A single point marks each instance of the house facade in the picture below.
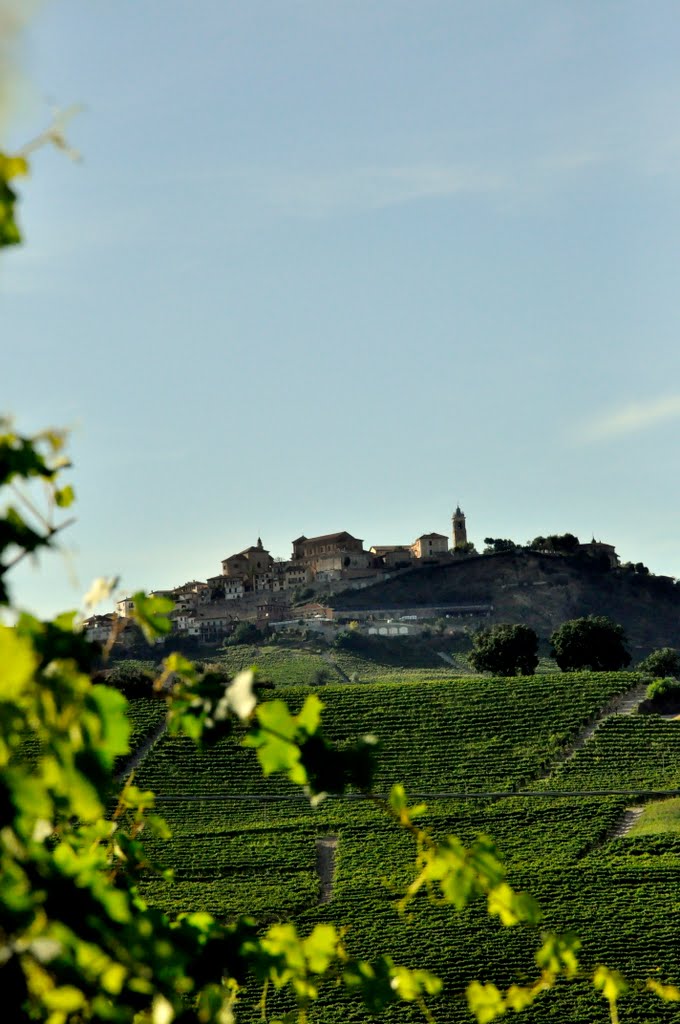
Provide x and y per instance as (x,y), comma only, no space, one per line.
(431,546)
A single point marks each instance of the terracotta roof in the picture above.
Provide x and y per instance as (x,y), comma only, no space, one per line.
(343,535)
(431,536)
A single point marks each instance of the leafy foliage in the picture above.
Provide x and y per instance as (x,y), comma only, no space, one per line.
(662,689)
(565,543)
(11,167)
(665,661)
(245,633)
(496,544)
(662,697)
(505,650)
(593,642)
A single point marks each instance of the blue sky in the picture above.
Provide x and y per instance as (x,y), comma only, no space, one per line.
(334,265)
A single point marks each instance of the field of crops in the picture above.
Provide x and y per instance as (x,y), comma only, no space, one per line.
(144,714)
(280,665)
(439,736)
(233,855)
(635,751)
(361,669)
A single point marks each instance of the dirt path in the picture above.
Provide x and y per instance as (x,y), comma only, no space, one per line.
(625,704)
(446,657)
(325,865)
(334,665)
(138,755)
(625,824)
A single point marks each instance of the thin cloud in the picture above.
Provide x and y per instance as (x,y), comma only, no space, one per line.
(630,419)
(374,188)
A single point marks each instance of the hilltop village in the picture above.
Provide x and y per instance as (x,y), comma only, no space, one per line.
(255,587)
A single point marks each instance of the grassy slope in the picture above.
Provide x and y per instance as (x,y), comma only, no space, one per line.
(661,818)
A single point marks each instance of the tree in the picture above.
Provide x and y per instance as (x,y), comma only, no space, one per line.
(567,543)
(495,544)
(506,650)
(663,662)
(593,642)
(561,543)
(245,633)
(467,548)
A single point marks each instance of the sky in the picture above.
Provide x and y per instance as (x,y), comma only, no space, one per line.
(339,265)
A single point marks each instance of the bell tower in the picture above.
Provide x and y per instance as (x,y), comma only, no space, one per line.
(459,530)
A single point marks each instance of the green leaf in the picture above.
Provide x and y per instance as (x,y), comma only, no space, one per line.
(64,496)
(18,663)
(410,985)
(151,615)
(512,907)
(277,755)
(518,998)
(558,954)
(397,798)
(275,716)
(113,979)
(485,1001)
(610,983)
(309,717)
(65,999)
(115,725)
(669,993)
(158,826)
(180,665)
(9,230)
(320,948)
(502,904)
(13,166)
(276,742)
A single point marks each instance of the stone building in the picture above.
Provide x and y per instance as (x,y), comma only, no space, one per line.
(249,564)
(331,555)
(226,588)
(598,549)
(431,546)
(98,627)
(125,607)
(392,556)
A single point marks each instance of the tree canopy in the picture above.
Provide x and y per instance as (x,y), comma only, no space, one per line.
(505,650)
(665,661)
(495,544)
(563,543)
(593,642)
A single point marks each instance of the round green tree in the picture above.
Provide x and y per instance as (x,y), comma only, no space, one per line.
(593,642)
(663,662)
(505,650)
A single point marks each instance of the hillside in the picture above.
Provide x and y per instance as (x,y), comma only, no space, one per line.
(539,590)
(244,844)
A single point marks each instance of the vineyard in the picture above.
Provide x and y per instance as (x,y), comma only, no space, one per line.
(241,844)
(281,666)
